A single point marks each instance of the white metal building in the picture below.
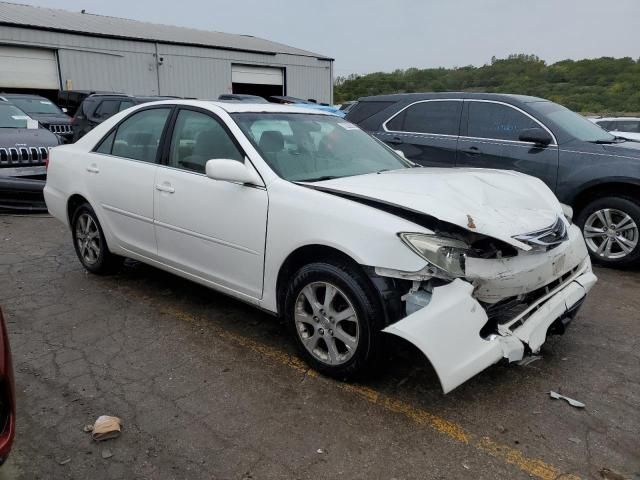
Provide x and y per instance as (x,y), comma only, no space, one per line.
(50,50)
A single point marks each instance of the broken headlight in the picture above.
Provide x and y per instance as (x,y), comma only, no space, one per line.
(448,254)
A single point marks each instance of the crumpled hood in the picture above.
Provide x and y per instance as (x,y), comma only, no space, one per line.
(497,203)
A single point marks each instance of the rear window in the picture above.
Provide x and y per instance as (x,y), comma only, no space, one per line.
(438,117)
(363,110)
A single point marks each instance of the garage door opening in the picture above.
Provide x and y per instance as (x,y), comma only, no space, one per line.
(29,70)
(262,81)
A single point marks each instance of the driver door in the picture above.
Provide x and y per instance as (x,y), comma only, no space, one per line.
(214,230)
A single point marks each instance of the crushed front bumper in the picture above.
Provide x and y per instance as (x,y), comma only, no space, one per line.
(447,330)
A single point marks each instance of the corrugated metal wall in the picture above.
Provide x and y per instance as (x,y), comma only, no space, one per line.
(95,63)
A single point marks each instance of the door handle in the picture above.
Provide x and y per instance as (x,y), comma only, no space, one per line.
(395,141)
(472,151)
(165,187)
(93,168)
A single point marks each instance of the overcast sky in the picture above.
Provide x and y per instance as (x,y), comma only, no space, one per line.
(382,35)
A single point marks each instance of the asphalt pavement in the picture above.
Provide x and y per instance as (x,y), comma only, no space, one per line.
(210,388)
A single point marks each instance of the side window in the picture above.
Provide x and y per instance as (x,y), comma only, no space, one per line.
(106,144)
(632,126)
(106,108)
(497,121)
(198,138)
(139,135)
(441,117)
(125,104)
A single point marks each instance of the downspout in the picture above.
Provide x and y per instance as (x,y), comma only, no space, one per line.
(157,67)
(331,88)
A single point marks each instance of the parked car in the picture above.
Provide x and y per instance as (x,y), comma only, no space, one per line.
(69,100)
(96,108)
(238,97)
(305,215)
(7,394)
(346,106)
(47,113)
(626,127)
(24,149)
(587,168)
(298,102)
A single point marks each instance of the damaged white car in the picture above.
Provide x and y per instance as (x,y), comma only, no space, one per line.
(304,215)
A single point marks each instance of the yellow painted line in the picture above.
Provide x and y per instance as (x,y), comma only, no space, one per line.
(534,467)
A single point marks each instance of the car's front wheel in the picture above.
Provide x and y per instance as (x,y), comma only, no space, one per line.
(90,244)
(611,229)
(335,318)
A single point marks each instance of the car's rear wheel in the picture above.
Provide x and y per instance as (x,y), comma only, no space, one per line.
(90,244)
(335,318)
(611,229)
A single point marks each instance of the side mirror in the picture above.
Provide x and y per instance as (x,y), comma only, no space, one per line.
(536,135)
(232,171)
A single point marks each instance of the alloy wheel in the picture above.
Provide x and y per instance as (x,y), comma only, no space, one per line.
(326,323)
(611,233)
(88,239)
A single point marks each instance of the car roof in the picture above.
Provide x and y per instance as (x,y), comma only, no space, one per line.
(399,97)
(242,107)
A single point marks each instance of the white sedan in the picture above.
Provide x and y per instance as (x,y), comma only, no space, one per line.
(308,217)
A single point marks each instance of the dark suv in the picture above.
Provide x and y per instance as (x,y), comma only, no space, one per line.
(95,109)
(596,173)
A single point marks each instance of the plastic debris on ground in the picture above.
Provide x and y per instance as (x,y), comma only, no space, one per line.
(570,401)
(530,359)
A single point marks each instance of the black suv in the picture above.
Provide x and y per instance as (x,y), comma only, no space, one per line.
(95,109)
(47,113)
(596,173)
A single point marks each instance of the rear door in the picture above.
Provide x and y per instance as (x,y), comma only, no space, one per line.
(120,176)
(425,131)
(490,139)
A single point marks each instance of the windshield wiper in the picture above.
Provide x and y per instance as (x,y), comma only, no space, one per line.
(318,179)
(603,142)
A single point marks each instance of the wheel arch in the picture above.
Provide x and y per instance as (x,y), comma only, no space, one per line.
(73,203)
(611,187)
(303,256)
(387,290)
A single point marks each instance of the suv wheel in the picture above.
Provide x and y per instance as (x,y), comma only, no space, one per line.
(90,244)
(335,318)
(611,229)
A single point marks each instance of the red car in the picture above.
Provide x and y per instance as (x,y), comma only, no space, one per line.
(7,394)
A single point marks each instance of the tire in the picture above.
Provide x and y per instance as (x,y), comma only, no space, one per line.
(351,289)
(90,243)
(622,233)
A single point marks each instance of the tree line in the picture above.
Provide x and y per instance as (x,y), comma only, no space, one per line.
(601,85)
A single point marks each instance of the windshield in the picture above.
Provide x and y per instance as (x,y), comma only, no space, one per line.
(573,123)
(308,147)
(35,105)
(12,117)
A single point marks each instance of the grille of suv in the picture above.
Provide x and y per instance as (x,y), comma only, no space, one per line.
(60,129)
(23,156)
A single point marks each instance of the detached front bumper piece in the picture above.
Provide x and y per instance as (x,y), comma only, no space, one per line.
(448,329)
